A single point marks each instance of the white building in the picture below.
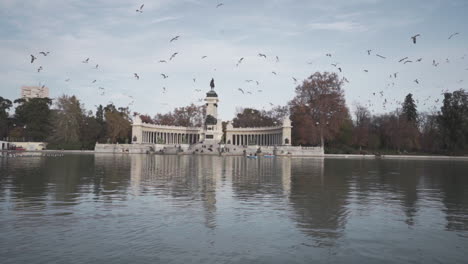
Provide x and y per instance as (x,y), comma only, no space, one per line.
(212,131)
(28,92)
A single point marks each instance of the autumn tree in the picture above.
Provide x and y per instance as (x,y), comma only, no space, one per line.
(249,117)
(361,126)
(189,116)
(318,110)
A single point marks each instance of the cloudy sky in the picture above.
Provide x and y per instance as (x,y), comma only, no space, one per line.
(300,33)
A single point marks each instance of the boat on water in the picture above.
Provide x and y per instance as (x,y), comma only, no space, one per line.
(269,156)
(252,157)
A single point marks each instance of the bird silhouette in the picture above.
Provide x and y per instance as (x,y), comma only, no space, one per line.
(403,59)
(408,61)
(328,55)
(67,80)
(248,81)
(240,89)
(366,70)
(239,62)
(339,69)
(273,72)
(249,92)
(257,82)
(197,90)
(93,81)
(136,76)
(174,38)
(97,66)
(173,55)
(164,75)
(453,35)
(140,9)
(45,53)
(162,61)
(164,90)
(33,58)
(294,79)
(277,59)
(416,81)
(395,74)
(86,61)
(218,5)
(414,38)
(380,56)
(39,69)
(262,55)
(368,52)
(419,60)
(194,79)
(203,57)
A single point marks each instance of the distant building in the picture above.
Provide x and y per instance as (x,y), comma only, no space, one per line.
(28,92)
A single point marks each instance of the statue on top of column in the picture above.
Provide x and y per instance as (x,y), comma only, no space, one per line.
(212,85)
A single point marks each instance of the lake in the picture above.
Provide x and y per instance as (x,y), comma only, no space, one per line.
(100,208)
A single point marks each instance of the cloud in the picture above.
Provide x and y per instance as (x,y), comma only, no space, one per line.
(345,26)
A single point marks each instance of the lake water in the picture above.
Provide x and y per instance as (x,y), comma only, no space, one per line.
(200,209)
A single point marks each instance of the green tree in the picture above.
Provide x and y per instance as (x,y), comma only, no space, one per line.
(249,117)
(453,120)
(67,119)
(409,109)
(118,125)
(34,115)
(5,105)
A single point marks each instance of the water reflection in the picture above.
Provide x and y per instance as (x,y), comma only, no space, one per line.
(233,204)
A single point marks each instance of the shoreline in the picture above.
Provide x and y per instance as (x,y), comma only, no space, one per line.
(332,156)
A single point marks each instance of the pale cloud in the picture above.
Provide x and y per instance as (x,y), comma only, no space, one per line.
(345,26)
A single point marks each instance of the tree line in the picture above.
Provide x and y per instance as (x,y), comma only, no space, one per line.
(318,112)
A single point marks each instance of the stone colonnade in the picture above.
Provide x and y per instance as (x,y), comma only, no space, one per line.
(262,136)
(144,133)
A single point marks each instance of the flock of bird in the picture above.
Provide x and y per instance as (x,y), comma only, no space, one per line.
(240,61)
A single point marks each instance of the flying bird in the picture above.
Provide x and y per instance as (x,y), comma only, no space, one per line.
(173,55)
(403,59)
(197,90)
(39,69)
(86,61)
(218,5)
(33,58)
(380,56)
(97,66)
(257,82)
(239,62)
(164,75)
(366,70)
(140,9)
(368,52)
(249,92)
(419,60)
(453,35)
(240,90)
(45,53)
(262,55)
(248,81)
(395,74)
(136,76)
(93,81)
(259,91)
(328,55)
(194,79)
(416,81)
(339,69)
(408,61)
(273,72)
(67,80)
(164,90)
(414,38)
(203,57)
(277,59)
(294,79)
(334,64)
(346,80)
(162,61)
(174,38)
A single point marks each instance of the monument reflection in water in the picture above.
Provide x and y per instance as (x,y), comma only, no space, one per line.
(140,208)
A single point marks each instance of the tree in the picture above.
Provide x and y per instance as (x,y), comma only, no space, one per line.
(249,117)
(189,116)
(67,120)
(5,105)
(319,109)
(409,109)
(118,125)
(453,120)
(361,126)
(34,116)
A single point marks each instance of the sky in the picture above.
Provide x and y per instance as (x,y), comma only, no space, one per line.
(123,42)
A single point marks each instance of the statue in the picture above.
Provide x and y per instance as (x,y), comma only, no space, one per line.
(212,84)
